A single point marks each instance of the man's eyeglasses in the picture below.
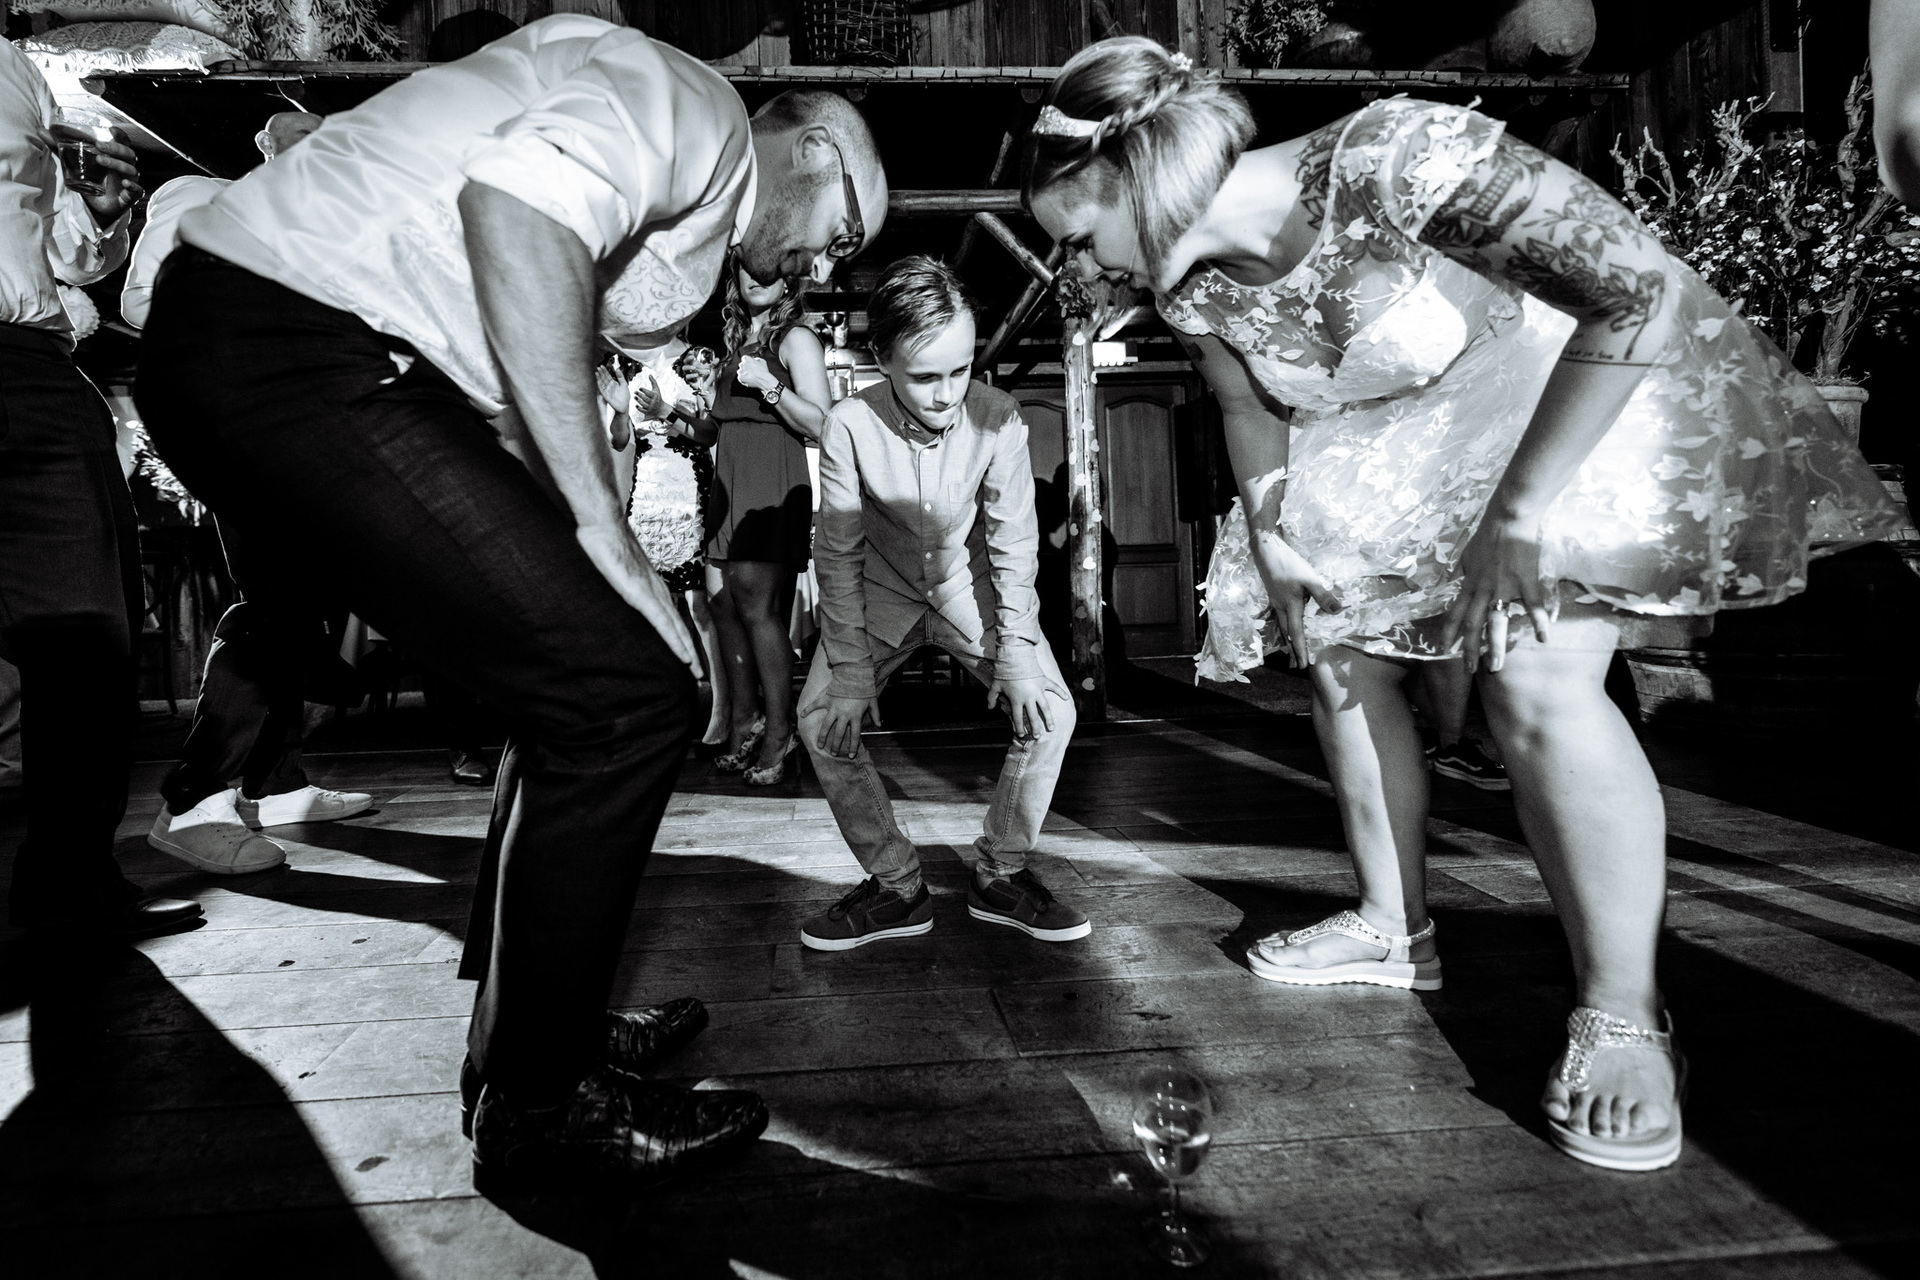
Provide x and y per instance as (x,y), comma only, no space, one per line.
(845,246)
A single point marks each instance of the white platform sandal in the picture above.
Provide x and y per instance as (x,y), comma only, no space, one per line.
(1589,1033)
(1268,957)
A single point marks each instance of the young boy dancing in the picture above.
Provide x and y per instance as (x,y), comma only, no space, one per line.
(926,535)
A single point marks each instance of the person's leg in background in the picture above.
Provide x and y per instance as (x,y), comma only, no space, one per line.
(456,718)
(1443,691)
(762,594)
(746,723)
(248,724)
(700,609)
(287,417)
(71,600)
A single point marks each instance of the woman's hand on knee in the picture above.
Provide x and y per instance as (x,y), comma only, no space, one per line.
(1291,580)
(1500,567)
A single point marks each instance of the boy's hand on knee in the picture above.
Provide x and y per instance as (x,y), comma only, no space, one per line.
(840,731)
(1026,704)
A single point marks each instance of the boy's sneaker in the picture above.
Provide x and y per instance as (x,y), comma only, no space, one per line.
(1023,903)
(869,914)
(1465,762)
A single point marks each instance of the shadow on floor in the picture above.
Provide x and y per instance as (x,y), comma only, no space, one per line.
(134,1156)
(817,1221)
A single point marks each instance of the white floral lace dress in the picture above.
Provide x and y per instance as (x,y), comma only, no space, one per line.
(1412,378)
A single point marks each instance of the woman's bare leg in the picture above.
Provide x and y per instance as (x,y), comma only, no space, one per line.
(736,648)
(702,614)
(762,597)
(1592,813)
(1379,773)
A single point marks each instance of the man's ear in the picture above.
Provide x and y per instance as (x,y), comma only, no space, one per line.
(812,148)
(264,141)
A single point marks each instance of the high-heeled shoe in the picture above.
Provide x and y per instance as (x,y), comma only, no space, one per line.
(740,760)
(787,769)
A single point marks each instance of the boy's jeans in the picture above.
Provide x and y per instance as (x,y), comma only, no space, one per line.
(859,798)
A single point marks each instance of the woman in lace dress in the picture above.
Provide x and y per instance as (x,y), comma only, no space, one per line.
(1470,404)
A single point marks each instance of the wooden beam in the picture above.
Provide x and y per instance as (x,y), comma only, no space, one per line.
(922,203)
(972,231)
(1088,673)
(1012,243)
(1021,312)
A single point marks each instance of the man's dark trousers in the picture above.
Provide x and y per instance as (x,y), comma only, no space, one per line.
(70,604)
(388,492)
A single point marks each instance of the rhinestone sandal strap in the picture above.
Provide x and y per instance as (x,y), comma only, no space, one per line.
(1589,1031)
(1352,925)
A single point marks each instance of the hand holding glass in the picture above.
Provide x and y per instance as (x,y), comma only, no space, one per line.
(1173,1119)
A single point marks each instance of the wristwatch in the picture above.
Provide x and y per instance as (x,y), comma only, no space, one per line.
(771,396)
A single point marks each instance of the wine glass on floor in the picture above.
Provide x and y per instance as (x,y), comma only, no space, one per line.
(1173,1119)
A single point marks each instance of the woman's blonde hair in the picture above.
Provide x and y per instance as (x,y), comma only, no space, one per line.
(1168,138)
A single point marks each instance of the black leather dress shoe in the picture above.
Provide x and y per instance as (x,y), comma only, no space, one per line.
(469,768)
(614,1130)
(635,1042)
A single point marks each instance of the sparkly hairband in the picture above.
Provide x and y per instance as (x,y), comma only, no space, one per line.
(1055,123)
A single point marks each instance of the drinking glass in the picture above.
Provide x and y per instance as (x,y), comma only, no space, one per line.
(77,136)
(1173,1119)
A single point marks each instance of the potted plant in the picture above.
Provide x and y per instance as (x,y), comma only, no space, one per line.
(1808,243)
(1810,246)
(1263,33)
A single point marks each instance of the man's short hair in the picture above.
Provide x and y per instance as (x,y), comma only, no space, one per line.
(798,108)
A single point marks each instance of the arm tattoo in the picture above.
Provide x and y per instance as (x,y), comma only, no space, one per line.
(1489,200)
(1559,237)
(1312,171)
(1590,218)
(1574,275)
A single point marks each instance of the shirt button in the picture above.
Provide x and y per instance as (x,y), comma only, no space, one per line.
(927,556)
(929,506)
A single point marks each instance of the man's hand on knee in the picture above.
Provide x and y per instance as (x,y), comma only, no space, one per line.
(1027,704)
(840,731)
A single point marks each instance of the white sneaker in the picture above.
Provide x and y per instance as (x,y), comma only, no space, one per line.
(308,804)
(211,836)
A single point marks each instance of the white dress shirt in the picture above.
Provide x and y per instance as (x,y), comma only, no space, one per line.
(160,237)
(48,236)
(642,150)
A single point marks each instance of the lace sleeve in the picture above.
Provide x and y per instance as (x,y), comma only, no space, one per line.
(1177,309)
(1402,159)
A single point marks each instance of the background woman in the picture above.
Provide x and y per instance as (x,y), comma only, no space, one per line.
(670,432)
(771,403)
(1518,425)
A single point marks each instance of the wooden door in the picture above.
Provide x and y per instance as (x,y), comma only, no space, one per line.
(1153,570)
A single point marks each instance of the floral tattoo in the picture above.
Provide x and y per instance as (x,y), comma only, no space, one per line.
(1576,248)
(1312,171)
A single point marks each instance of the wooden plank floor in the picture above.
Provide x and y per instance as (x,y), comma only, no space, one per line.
(273,1094)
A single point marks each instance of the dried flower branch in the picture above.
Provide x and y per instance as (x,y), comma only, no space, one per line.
(1810,245)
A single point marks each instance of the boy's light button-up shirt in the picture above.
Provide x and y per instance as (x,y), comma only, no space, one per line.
(912,523)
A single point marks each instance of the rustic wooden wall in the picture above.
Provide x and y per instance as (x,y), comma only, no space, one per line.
(949,33)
